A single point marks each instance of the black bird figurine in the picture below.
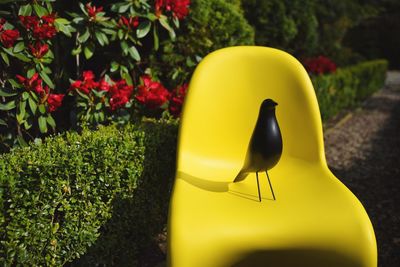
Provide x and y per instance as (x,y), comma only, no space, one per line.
(265,148)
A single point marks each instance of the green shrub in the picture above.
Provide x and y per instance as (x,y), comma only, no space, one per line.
(348,86)
(211,25)
(290,25)
(57,198)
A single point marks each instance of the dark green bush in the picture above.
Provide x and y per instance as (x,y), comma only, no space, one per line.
(211,24)
(290,25)
(348,86)
(57,198)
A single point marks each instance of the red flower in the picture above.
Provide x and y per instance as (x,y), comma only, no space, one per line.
(120,93)
(29,22)
(8,37)
(104,86)
(176,100)
(131,22)
(45,31)
(319,65)
(49,19)
(88,75)
(92,10)
(151,94)
(87,85)
(54,101)
(39,49)
(33,84)
(179,8)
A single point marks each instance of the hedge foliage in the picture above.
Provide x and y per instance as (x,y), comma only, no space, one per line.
(348,86)
(57,197)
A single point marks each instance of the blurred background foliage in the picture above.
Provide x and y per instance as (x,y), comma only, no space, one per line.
(347,31)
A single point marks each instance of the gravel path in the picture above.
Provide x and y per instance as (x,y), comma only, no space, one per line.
(363,151)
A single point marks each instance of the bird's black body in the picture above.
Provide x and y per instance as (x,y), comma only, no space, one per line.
(265,146)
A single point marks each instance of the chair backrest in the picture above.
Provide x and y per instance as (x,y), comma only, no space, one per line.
(222,106)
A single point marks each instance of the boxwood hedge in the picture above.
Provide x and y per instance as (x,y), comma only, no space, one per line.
(348,86)
(57,197)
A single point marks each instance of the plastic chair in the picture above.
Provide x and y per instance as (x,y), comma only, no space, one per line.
(315,220)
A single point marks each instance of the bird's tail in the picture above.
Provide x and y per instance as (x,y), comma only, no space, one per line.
(241,176)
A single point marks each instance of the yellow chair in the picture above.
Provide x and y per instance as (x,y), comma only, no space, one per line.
(315,220)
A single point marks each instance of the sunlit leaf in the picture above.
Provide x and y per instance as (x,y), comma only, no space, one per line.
(143,29)
(42,124)
(8,106)
(46,79)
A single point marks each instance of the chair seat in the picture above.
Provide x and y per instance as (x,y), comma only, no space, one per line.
(224,224)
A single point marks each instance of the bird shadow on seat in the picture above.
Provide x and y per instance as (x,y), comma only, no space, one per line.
(296,257)
(252,197)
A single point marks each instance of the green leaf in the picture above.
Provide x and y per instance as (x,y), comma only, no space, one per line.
(27,125)
(88,50)
(99,106)
(62,21)
(21,112)
(51,121)
(121,7)
(34,96)
(133,52)
(42,124)
(114,66)
(101,38)
(42,109)
(30,72)
(176,21)
(2,122)
(46,79)
(40,11)
(82,95)
(143,29)
(99,94)
(84,37)
(25,96)
(156,40)
(164,22)
(22,57)
(32,105)
(20,46)
(64,28)
(6,92)
(151,16)
(21,141)
(8,106)
(14,83)
(25,10)
(127,77)
(82,7)
(77,50)
(101,116)
(125,48)
(5,58)
(120,34)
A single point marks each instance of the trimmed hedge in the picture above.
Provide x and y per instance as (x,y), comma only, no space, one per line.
(56,198)
(348,86)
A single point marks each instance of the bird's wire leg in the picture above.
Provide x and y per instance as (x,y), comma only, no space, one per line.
(258,187)
(270,185)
